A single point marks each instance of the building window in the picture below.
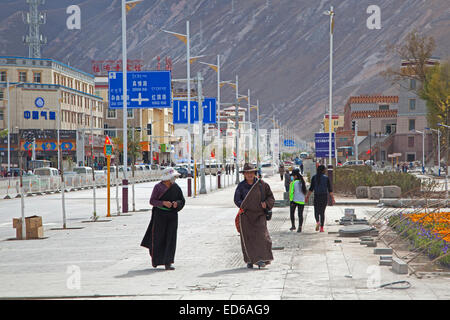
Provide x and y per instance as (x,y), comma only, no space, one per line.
(412,124)
(111,114)
(3,75)
(37,77)
(2,117)
(2,95)
(412,104)
(130,113)
(412,84)
(383,107)
(410,142)
(22,76)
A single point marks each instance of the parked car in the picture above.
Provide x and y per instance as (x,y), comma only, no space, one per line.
(369,163)
(353,163)
(14,172)
(182,171)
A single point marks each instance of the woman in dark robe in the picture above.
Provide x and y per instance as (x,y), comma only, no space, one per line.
(161,236)
(252,196)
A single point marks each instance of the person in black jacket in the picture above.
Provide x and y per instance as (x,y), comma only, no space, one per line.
(320,185)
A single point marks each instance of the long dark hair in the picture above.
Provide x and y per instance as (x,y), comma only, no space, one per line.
(320,171)
(300,177)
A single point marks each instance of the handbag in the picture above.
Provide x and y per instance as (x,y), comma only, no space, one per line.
(266,211)
(236,220)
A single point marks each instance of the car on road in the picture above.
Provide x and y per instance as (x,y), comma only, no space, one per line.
(369,163)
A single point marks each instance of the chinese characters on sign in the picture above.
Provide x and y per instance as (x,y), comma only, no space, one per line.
(146,89)
(102,67)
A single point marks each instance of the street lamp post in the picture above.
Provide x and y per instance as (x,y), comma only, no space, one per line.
(439,148)
(446,157)
(8,87)
(423,148)
(125,111)
(331,14)
(237,129)
(370,137)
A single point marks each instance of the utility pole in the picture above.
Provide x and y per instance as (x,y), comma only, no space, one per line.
(200,116)
(257,135)
(237,129)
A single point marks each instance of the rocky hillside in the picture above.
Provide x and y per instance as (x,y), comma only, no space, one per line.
(279,48)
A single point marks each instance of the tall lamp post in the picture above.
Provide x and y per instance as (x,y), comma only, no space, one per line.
(8,87)
(257,133)
(423,148)
(439,148)
(186,39)
(331,14)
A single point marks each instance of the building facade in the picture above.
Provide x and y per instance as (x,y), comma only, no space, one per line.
(46,95)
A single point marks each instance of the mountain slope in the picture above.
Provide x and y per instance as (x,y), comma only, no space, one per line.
(279,48)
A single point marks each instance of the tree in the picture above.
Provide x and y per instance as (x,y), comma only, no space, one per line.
(436,91)
(417,50)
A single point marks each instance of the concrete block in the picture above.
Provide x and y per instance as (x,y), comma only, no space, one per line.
(385,262)
(392,192)
(366,238)
(399,266)
(362,192)
(376,193)
(385,257)
(371,244)
(383,251)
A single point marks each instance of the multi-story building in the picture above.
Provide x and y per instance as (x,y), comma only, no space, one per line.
(337,121)
(43,93)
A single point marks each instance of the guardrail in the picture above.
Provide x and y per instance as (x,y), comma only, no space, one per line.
(33,184)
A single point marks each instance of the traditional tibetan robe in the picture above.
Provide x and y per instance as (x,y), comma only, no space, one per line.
(161,235)
(255,239)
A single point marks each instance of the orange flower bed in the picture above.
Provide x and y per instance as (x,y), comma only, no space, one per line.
(438,223)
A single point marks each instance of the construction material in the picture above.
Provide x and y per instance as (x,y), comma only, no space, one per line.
(383,251)
(399,266)
(355,230)
(33,227)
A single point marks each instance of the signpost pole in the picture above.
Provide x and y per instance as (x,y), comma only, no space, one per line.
(108,186)
(125,111)
(200,118)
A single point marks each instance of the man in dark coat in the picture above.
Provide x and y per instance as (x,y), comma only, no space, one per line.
(161,236)
(253,196)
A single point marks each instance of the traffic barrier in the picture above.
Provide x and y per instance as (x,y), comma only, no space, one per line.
(37,185)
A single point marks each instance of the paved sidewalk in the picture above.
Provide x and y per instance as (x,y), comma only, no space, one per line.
(104,260)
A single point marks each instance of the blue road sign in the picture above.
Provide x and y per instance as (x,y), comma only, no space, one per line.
(180,111)
(289,143)
(322,141)
(146,89)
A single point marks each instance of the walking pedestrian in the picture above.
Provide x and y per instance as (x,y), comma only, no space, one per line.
(297,193)
(161,237)
(281,171)
(287,180)
(253,197)
(320,185)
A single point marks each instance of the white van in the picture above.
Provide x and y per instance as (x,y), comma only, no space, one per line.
(49,178)
(46,171)
(83,170)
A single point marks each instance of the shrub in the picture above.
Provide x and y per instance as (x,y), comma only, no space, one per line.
(348,178)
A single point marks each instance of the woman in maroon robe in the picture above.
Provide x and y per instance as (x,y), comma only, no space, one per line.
(253,196)
(161,236)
